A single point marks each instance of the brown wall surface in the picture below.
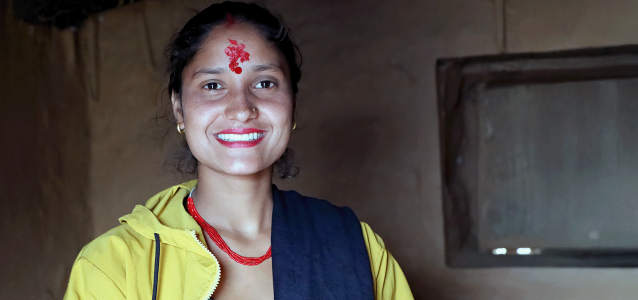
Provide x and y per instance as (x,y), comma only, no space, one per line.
(367,132)
(45,154)
(367,123)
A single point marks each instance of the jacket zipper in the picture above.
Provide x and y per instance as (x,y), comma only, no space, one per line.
(219,269)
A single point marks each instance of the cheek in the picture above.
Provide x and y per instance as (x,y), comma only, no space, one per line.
(276,110)
(286,108)
(199,116)
(283,115)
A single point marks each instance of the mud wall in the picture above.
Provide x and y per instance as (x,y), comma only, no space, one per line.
(367,125)
(366,138)
(44,168)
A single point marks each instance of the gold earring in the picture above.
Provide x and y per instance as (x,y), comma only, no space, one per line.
(294,126)
(181,131)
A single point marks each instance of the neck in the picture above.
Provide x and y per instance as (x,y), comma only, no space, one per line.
(241,204)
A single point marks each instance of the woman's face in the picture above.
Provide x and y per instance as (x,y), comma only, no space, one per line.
(237,102)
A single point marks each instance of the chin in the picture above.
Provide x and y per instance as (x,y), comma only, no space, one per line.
(242,168)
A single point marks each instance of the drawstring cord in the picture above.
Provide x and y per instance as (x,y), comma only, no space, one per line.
(156,271)
(157,258)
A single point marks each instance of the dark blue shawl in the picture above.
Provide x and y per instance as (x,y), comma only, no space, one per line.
(318,250)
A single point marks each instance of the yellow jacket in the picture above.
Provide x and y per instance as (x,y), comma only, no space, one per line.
(119,263)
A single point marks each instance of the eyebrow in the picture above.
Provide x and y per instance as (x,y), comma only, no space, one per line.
(266,67)
(255,68)
(214,71)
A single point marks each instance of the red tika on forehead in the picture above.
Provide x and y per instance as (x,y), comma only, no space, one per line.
(236,53)
(230,19)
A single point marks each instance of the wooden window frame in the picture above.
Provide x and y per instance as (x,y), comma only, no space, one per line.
(457,79)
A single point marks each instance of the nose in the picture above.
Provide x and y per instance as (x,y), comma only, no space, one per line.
(240,107)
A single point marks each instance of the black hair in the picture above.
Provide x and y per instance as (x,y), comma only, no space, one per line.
(187,43)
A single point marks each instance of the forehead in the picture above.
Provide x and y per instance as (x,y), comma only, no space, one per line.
(212,50)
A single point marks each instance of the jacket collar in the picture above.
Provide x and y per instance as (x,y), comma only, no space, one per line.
(165,215)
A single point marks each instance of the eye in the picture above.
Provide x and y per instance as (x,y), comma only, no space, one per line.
(264,84)
(213,86)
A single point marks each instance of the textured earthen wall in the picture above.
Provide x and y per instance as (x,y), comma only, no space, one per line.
(44,145)
(367,126)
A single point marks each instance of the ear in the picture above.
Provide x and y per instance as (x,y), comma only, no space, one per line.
(176,101)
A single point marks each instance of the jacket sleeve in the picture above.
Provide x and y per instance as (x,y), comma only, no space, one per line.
(388,279)
(89,282)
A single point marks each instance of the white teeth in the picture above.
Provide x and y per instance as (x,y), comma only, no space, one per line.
(240,137)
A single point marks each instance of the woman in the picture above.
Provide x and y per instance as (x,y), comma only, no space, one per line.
(231,234)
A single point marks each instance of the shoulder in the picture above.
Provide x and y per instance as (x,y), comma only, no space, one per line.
(319,207)
(118,238)
(106,260)
(309,236)
(373,240)
(375,246)
(308,214)
(119,244)
(388,278)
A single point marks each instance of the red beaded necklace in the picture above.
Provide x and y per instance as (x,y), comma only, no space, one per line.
(212,233)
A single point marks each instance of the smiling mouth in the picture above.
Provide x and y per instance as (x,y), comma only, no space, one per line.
(240,137)
(248,137)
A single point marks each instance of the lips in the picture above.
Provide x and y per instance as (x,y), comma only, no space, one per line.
(240,137)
